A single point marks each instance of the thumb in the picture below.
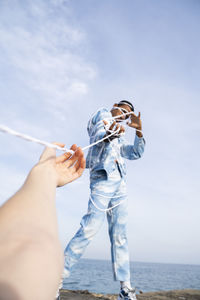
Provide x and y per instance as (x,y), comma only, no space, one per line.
(49,152)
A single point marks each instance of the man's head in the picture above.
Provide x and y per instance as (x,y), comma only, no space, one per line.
(119,109)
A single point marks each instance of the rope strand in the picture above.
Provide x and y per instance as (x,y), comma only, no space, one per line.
(26,137)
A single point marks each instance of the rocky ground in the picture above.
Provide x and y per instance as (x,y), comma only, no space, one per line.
(164,295)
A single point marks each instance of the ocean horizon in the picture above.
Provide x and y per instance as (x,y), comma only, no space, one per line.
(96,276)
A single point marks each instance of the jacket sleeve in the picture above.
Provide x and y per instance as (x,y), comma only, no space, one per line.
(134,151)
(96,128)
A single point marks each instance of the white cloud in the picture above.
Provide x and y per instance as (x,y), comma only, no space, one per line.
(43,55)
(44,52)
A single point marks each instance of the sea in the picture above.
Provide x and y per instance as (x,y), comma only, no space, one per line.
(96,276)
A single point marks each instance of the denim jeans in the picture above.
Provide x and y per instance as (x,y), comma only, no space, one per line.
(105,193)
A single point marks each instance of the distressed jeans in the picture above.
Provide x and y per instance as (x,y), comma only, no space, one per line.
(105,193)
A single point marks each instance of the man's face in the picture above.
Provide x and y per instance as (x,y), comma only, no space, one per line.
(117,112)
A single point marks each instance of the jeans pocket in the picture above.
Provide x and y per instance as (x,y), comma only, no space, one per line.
(98,175)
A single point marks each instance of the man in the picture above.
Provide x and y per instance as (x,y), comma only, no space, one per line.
(108,189)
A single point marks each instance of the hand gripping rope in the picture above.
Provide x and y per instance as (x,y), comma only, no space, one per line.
(26,137)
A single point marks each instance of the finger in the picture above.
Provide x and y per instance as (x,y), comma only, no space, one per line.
(79,167)
(80,163)
(83,163)
(74,157)
(122,129)
(133,115)
(118,128)
(78,173)
(112,125)
(73,147)
(63,157)
(79,152)
(50,152)
(139,115)
(105,122)
(66,155)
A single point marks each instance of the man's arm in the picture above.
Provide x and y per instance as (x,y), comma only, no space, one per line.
(136,150)
(31,258)
(96,127)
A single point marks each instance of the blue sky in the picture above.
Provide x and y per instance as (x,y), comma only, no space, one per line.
(61,61)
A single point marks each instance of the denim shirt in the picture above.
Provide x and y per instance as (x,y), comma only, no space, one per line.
(103,156)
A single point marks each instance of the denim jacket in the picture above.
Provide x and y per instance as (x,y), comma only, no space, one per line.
(103,156)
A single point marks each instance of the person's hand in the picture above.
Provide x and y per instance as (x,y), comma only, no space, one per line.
(116,125)
(135,121)
(67,167)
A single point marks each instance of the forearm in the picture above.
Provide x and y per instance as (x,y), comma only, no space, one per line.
(31,269)
(29,239)
(33,206)
(134,151)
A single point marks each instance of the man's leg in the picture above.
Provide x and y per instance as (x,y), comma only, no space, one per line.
(90,224)
(117,222)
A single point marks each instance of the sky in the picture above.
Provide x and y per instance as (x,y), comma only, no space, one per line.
(61,60)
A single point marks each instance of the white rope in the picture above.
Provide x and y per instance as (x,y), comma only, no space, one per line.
(105,209)
(26,137)
(124,114)
(116,196)
(101,140)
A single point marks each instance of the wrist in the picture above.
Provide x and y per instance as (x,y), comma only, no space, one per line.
(139,127)
(139,132)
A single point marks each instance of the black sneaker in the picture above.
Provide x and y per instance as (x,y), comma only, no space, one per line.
(127,294)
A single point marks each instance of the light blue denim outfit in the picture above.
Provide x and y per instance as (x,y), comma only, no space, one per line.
(108,188)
